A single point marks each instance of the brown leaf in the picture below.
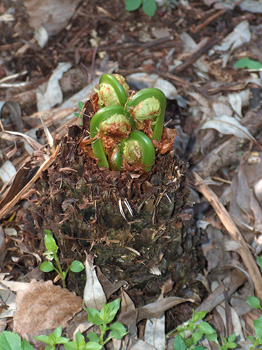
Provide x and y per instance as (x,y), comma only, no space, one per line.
(108,287)
(152,310)
(128,314)
(42,305)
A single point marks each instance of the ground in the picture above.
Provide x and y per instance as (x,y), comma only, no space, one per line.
(191,51)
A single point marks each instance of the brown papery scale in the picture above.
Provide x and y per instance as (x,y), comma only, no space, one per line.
(139,227)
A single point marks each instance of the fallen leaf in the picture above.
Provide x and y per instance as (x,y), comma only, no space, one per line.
(228,126)
(53,94)
(42,305)
(53,15)
(94,295)
(155,332)
(140,344)
(153,310)
(239,36)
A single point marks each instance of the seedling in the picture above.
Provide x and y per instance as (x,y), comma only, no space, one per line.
(149,6)
(102,319)
(246,62)
(190,333)
(51,255)
(80,106)
(53,339)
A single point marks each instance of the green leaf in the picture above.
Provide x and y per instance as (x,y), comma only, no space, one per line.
(71,346)
(93,346)
(205,328)
(50,242)
(132,5)
(50,347)
(57,332)
(258,328)
(109,311)
(196,336)
(231,345)
(118,330)
(80,104)
(93,337)
(212,337)
(179,343)
(232,337)
(52,340)
(62,340)
(246,62)
(76,266)
(259,260)
(254,302)
(42,338)
(200,347)
(149,7)
(47,266)
(94,317)
(79,337)
(10,341)
(198,316)
(26,345)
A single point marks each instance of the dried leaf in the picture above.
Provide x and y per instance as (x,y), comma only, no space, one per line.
(7,171)
(94,295)
(144,80)
(140,344)
(108,287)
(53,94)
(54,16)
(154,309)
(240,200)
(239,36)
(155,332)
(237,328)
(228,126)
(48,135)
(251,6)
(8,298)
(128,313)
(14,112)
(12,135)
(258,190)
(42,305)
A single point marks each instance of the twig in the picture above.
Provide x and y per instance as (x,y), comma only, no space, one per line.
(196,55)
(207,21)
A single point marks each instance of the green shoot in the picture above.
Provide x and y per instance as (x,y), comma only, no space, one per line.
(51,255)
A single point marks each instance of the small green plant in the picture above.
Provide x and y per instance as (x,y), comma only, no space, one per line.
(149,6)
(80,115)
(12,341)
(80,106)
(190,333)
(102,319)
(51,254)
(246,62)
(53,339)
